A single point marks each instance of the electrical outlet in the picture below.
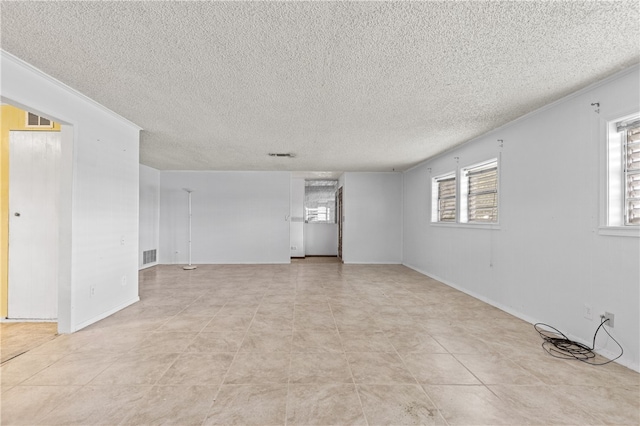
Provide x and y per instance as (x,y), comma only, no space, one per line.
(294,248)
(92,291)
(123,281)
(608,316)
(588,311)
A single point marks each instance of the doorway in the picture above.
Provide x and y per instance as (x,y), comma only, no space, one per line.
(15,117)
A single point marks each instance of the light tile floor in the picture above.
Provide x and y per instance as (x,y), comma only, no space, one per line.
(17,338)
(308,344)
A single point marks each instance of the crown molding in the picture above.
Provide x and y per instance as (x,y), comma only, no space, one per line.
(8,57)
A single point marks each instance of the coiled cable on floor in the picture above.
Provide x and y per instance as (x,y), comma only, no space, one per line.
(560,346)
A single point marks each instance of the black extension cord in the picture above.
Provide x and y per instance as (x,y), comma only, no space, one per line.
(560,346)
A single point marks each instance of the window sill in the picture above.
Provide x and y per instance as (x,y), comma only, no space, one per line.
(495,226)
(620,231)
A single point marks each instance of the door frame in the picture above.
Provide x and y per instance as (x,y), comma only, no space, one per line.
(340,216)
(65,210)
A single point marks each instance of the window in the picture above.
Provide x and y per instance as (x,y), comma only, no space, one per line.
(320,201)
(37,121)
(479,186)
(623,171)
(444,190)
(470,197)
(631,133)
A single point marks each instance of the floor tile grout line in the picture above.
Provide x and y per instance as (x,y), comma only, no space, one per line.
(286,403)
(344,353)
(36,372)
(474,375)
(68,397)
(420,386)
(224,377)
(167,369)
(80,388)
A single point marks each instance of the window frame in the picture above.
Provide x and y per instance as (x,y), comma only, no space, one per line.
(460,188)
(464,191)
(435,199)
(627,173)
(327,210)
(39,125)
(613,176)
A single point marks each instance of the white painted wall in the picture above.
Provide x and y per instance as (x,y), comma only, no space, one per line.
(297,218)
(98,198)
(149,237)
(238,217)
(321,239)
(547,259)
(372,230)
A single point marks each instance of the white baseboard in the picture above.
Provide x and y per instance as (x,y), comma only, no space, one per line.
(284,262)
(105,314)
(148,265)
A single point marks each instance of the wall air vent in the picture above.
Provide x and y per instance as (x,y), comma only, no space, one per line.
(282,154)
(148,256)
(33,120)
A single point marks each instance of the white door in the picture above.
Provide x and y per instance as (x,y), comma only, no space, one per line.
(34,161)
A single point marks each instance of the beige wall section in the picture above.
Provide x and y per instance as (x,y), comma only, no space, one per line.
(12,118)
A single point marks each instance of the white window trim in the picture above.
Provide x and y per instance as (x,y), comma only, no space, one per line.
(458,175)
(464,189)
(435,197)
(37,126)
(611,221)
(620,231)
(473,225)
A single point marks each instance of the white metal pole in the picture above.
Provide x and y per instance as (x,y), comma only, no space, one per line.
(189,228)
(189,266)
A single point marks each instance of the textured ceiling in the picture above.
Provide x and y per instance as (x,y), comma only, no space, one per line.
(348,86)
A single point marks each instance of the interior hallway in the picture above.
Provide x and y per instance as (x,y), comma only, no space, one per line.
(308,343)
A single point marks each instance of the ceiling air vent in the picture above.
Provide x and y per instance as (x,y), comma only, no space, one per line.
(282,154)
